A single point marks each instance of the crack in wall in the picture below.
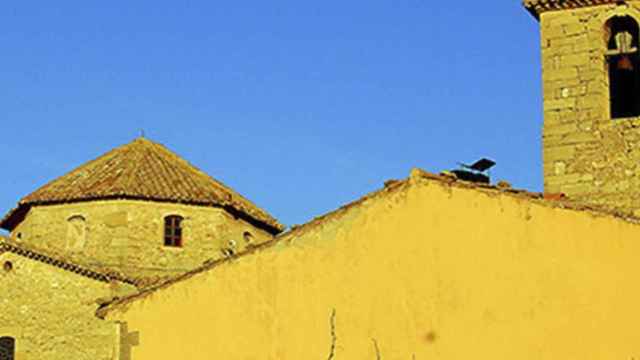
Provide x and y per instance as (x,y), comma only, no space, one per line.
(332,322)
(375,346)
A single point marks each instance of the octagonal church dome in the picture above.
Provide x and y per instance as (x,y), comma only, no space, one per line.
(142,170)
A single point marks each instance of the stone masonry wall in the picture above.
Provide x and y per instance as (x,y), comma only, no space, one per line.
(587,155)
(50,312)
(128,235)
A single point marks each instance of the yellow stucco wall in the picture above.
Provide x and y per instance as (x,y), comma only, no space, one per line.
(424,270)
(128,235)
(50,311)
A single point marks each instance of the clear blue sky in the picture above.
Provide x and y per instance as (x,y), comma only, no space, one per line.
(301,106)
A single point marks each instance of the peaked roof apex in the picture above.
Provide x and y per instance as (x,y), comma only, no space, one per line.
(142,170)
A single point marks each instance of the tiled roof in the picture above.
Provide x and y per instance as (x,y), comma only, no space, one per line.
(6,246)
(536,7)
(142,170)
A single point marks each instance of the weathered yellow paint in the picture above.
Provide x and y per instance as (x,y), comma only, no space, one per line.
(423,270)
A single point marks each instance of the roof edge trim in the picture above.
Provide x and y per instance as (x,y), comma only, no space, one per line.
(61,264)
(17,215)
(537,7)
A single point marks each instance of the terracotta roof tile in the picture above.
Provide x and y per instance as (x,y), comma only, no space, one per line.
(142,170)
(536,7)
(6,246)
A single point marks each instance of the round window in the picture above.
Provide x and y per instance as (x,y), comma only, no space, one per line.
(7,266)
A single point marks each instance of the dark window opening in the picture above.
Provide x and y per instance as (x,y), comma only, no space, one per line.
(7,266)
(623,66)
(173,231)
(7,348)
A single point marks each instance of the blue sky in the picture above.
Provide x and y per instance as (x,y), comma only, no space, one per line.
(300,106)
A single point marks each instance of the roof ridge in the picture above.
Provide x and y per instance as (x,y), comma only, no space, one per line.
(390,187)
(129,178)
(196,170)
(190,167)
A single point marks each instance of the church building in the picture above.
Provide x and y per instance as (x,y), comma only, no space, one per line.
(139,255)
(135,216)
(139,210)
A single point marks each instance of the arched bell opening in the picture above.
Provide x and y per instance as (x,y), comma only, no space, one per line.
(623,66)
(7,348)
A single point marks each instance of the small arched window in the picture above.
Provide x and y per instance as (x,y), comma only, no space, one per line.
(7,348)
(173,231)
(76,233)
(248,237)
(623,65)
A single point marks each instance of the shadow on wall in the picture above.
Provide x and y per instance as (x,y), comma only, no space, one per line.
(127,341)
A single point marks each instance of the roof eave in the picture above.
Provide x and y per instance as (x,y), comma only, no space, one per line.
(272,228)
(17,215)
(537,7)
(14,217)
(532,11)
(143,169)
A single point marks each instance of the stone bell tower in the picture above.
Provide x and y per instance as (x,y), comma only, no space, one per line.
(591,85)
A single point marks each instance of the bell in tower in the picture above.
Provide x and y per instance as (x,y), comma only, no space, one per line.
(623,66)
(623,47)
